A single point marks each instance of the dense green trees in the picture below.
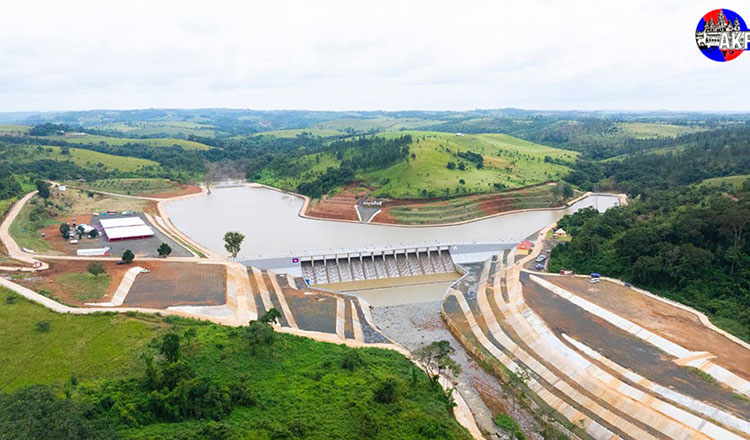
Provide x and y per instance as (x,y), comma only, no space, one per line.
(9,186)
(37,413)
(475,158)
(327,181)
(43,188)
(694,158)
(688,244)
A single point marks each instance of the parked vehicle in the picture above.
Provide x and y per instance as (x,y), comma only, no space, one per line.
(539,266)
(594,278)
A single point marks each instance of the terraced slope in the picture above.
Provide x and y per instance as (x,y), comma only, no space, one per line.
(467,208)
(311,309)
(589,392)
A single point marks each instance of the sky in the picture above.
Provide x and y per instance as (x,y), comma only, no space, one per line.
(364,55)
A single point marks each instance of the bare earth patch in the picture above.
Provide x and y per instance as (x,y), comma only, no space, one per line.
(671,322)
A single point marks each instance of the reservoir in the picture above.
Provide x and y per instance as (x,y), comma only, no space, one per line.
(272,226)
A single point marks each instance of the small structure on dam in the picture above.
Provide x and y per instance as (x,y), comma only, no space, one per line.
(374,265)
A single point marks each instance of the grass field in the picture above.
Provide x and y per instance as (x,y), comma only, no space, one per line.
(91,347)
(83,158)
(115,141)
(166,128)
(301,388)
(14,129)
(508,161)
(292,133)
(134,186)
(643,130)
(25,231)
(85,287)
(377,123)
(735,181)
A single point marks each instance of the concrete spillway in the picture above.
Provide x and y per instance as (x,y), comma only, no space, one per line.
(362,266)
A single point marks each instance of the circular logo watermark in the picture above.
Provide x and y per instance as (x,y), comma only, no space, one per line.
(722,35)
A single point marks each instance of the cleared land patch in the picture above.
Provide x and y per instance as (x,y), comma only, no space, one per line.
(627,350)
(143,187)
(673,323)
(340,206)
(69,282)
(645,130)
(179,284)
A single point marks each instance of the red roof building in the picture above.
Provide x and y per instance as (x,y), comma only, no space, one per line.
(524,246)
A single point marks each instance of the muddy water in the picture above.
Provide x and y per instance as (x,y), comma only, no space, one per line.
(272,227)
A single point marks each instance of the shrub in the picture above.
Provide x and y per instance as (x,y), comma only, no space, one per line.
(128,256)
(508,424)
(11,298)
(215,431)
(259,333)
(96,269)
(351,360)
(42,326)
(170,347)
(385,392)
(164,250)
(431,428)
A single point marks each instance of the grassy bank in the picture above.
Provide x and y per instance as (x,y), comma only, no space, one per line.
(91,347)
(115,141)
(82,158)
(442,165)
(130,187)
(294,387)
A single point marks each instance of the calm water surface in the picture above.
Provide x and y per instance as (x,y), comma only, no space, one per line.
(272,227)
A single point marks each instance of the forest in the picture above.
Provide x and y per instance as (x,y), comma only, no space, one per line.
(678,238)
(692,159)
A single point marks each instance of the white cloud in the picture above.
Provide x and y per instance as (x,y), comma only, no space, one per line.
(354,55)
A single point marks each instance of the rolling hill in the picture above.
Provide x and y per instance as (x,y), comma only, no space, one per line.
(506,163)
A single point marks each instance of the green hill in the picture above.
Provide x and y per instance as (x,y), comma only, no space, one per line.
(735,181)
(81,157)
(115,141)
(442,164)
(166,128)
(292,387)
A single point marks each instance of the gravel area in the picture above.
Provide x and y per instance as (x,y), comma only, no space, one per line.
(414,325)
